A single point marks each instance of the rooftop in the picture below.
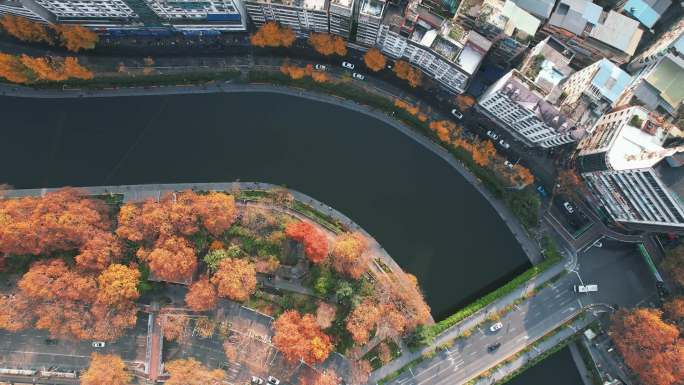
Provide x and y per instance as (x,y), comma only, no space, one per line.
(610,80)
(317,5)
(539,8)
(573,15)
(520,19)
(668,79)
(648,12)
(634,147)
(371,7)
(526,94)
(343,3)
(618,31)
(673,178)
(473,52)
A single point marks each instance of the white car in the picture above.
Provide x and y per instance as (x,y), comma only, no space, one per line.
(568,207)
(495,327)
(273,380)
(358,76)
(492,135)
(257,381)
(348,65)
(585,288)
(457,114)
(508,164)
(98,344)
(320,67)
(504,144)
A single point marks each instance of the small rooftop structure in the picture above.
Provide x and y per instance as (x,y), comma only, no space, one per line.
(371,7)
(648,12)
(618,31)
(610,80)
(574,15)
(314,5)
(343,3)
(473,52)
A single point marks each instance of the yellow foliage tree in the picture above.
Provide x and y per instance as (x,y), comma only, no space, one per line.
(106,369)
(25,29)
(76,37)
(374,59)
(273,35)
(327,44)
(12,69)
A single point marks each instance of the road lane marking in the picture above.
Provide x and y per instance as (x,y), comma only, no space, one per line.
(48,354)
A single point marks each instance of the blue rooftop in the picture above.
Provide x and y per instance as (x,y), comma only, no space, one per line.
(610,80)
(648,13)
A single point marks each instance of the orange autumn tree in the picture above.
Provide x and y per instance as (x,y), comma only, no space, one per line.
(348,254)
(12,69)
(465,102)
(374,60)
(73,69)
(15,313)
(175,327)
(106,369)
(319,77)
(235,279)
(192,372)
(327,377)
(674,309)
(443,129)
(314,240)
(172,259)
(202,295)
(293,71)
(118,284)
(360,371)
(674,264)
(75,37)
(299,337)
(272,35)
(522,175)
(327,44)
(58,221)
(100,251)
(405,71)
(43,68)
(25,29)
(651,347)
(216,211)
(363,320)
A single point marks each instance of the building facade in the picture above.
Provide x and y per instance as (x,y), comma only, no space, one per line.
(658,84)
(369,20)
(302,16)
(518,106)
(341,17)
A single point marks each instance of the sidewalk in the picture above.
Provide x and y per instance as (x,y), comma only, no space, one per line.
(468,323)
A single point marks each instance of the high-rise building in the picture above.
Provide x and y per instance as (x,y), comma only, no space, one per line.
(341,17)
(302,16)
(369,20)
(223,15)
(642,199)
(518,105)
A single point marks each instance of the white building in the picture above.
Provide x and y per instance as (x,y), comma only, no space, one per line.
(302,16)
(627,138)
(369,21)
(425,40)
(547,65)
(220,15)
(341,17)
(517,105)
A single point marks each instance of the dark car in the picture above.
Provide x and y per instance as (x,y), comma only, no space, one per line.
(494,347)
(49,341)
(542,191)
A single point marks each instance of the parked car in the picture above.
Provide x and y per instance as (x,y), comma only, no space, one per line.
(568,207)
(348,65)
(504,144)
(508,164)
(495,327)
(492,135)
(50,341)
(98,344)
(358,76)
(272,380)
(542,191)
(320,67)
(257,380)
(585,288)
(457,114)
(494,347)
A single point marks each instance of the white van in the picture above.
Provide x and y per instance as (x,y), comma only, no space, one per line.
(585,288)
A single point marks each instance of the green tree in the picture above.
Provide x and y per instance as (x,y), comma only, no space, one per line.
(214,257)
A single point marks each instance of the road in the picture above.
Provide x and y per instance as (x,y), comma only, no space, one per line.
(530,320)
